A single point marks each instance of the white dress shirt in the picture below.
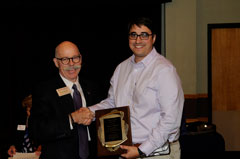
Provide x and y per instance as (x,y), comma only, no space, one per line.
(152,89)
(69,84)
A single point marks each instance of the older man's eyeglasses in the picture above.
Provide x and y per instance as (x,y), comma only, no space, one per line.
(66,60)
(143,36)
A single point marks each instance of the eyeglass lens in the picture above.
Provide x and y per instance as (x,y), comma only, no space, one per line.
(66,60)
(143,36)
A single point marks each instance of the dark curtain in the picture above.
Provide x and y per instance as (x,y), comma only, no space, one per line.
(31,31)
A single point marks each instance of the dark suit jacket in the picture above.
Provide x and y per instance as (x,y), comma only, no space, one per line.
(49,121)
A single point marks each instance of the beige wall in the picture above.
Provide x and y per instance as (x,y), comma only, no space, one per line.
(209,12)
(186,47)
(181,41)
(227,123)
(186,37)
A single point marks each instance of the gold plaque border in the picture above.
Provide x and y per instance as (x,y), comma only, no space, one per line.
(112,145)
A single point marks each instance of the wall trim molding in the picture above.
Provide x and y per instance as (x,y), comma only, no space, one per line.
(195,96)
(196,107)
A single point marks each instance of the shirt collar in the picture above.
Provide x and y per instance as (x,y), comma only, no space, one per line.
(69,83)
(146,60)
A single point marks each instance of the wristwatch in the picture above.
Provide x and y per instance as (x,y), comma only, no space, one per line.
(141,154)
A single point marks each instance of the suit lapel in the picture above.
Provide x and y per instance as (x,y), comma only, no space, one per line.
(66,100)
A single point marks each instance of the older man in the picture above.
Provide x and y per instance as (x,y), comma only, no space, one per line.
(59,115)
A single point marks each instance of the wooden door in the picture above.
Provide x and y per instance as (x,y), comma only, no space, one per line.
(225,69)
(224,82)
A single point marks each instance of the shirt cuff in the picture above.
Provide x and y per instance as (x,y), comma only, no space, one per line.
(70,121)
(147,148)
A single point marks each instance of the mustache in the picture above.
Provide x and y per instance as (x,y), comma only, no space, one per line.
(72,67)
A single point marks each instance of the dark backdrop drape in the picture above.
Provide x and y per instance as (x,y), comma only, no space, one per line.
(31,31)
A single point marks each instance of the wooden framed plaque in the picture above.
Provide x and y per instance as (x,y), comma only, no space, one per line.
(113,129)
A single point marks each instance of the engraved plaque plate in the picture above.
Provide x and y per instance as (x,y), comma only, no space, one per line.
(113,129)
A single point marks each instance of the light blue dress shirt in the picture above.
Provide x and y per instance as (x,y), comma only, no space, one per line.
(152,89)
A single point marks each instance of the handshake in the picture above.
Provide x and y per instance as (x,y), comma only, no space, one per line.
(82,116)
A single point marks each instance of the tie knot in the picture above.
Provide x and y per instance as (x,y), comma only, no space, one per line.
(74,87)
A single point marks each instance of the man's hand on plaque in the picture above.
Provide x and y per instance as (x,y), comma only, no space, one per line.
(132,151)
(83,116)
